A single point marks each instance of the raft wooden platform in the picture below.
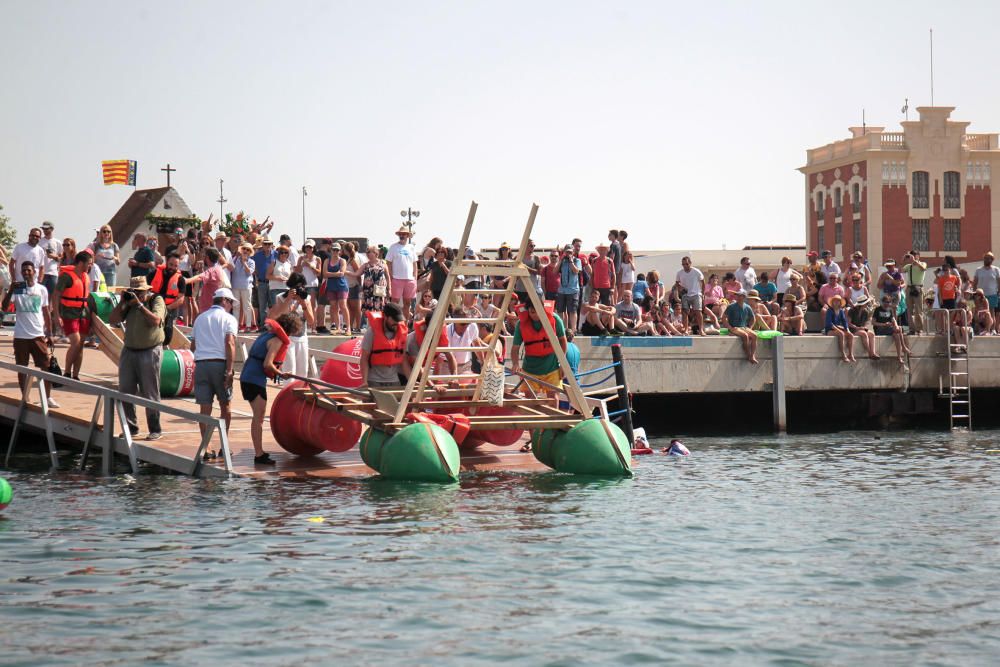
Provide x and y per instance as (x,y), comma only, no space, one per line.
(175,451)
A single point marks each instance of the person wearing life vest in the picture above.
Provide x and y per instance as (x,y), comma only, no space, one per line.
(169,284)
(263,363)
(540,360)
(416,338)
(383,349)
(70,302)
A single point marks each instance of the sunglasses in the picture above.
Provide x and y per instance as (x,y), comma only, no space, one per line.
(67,245)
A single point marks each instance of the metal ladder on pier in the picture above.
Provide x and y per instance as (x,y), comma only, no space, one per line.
(959,380)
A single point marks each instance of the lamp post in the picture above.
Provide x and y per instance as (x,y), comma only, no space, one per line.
(304,193)
(222,200)
(409,214)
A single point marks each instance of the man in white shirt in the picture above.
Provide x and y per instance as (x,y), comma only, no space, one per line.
(402,261)
(828,267)
(31,251)
(33,325)
(293,254)
(693,281)
(463,335)
(213,341)
(987,278)
(746,274)
(53,256)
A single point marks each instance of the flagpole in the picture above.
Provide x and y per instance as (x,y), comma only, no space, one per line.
(932,66)
(304,193)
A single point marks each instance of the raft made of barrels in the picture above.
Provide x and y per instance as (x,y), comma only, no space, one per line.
(176,373)
(420,452)
(304,428)
(592,447)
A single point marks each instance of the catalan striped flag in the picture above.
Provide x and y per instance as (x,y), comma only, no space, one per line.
(119,172)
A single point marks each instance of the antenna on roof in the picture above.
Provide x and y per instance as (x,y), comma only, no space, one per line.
(906,108)
(932,66)
(864,128)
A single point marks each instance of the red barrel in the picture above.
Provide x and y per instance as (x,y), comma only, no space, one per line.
(342,373)
(499,437)
(304,428)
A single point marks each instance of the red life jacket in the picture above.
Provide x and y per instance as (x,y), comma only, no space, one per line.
(386,352)
(172,292)
(420,331)
(536,343)
(280,334)
(74,296)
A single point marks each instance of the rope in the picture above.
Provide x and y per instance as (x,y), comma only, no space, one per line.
(597,370)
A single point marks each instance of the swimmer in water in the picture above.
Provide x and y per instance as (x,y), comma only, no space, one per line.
(676,448)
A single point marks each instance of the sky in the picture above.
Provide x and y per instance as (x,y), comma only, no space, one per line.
(682,123)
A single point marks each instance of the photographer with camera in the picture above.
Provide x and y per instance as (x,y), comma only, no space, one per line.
(295,300)
(143,313)
(568,296)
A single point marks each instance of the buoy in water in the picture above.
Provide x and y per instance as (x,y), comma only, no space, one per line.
(589,448)
(176,373)
(343,373)
(420,452)
(371,446)
(6,493)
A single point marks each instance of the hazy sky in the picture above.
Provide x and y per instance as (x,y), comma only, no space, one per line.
(680,122)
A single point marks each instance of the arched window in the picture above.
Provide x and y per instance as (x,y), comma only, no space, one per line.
(856,197)
(819,205)
(952,189)
(838,208)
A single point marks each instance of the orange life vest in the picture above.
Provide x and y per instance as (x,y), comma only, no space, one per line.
(74,296)
(386,352)
(536,343)
(456,424)
(420,331)
(173,292)
(280,334)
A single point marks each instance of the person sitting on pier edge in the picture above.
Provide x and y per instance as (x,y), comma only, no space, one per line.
(213,341)
(982,315)
(885,324)
(791,320)
(32,324)
(763,320)
(540,360)
(739,317)
(383,349)
(628,317)
(598,319)
(263,363)
(835,324)
(858,319)
(143,312)
(70,297)
(169,284)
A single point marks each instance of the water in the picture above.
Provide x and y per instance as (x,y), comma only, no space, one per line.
(839,550)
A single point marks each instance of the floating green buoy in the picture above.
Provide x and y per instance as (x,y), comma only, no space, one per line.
(371,446)
(6,493)
(420,452)
(592,447)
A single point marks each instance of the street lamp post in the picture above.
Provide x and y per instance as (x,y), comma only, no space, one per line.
(409,214)
(304,193)
(222,200)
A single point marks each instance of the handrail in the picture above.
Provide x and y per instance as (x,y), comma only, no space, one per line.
(112,395)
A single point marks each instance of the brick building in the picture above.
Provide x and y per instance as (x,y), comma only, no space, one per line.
(927,187)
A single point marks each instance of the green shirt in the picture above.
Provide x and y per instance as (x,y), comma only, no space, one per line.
(540,365)
(139,335)
(914,275)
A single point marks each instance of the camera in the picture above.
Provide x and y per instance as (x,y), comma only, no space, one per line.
(127,296)
(301,291)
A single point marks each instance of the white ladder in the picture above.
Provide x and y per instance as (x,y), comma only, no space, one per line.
(959,380)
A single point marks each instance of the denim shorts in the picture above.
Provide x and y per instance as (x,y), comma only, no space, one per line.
(567,302)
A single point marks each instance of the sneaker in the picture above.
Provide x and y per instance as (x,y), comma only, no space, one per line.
(264,460)
(53,403)
(62,339)
(154,435)
(322,330)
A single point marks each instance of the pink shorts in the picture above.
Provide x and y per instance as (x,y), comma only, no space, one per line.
(404,289)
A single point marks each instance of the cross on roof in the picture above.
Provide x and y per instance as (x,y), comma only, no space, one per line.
(168,170)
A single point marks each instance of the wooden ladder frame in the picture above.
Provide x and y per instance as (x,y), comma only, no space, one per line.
(421,376)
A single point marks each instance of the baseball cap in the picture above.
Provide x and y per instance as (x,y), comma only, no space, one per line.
(224,293)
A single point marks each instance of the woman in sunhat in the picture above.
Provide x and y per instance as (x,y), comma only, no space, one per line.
(791,320)
(836,325)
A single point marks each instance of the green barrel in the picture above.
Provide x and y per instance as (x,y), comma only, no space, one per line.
(420,453)
(543,443)
(101,304)
(176,373)
(586,450)
(6,493)
(371,446)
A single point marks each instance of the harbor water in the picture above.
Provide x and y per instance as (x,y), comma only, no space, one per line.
(844,549)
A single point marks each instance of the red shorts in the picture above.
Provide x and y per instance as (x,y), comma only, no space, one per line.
(81,327)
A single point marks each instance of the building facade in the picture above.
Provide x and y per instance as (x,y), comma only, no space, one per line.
(927,187)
